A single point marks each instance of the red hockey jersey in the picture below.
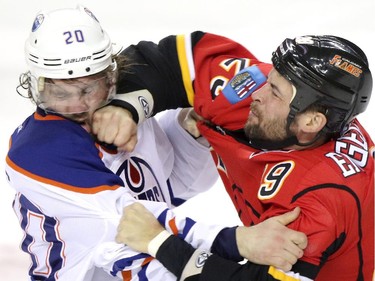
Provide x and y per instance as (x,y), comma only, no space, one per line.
(333,184)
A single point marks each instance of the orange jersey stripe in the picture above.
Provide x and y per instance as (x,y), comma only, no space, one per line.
(91,190)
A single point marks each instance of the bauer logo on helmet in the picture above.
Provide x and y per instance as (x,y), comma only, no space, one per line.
(73,60)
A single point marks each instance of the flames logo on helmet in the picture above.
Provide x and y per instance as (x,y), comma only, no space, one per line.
(346,65)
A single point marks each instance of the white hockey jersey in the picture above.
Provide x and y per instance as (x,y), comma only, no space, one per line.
(71,193)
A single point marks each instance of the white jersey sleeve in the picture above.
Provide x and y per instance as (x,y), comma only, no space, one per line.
(193,170)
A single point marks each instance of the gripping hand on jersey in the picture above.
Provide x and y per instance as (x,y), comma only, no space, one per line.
(115,125)
(137,227)
(268,243)
(271,242)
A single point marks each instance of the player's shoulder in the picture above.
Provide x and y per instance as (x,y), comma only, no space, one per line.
(51,138)
(328,167)
(53,130)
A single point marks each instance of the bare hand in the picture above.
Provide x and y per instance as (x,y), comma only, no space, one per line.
(115,125)
(137,227)
(271,242)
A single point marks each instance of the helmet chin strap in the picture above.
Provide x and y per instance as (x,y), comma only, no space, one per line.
(275,145)
(256,143)
(272,145)
(263,144)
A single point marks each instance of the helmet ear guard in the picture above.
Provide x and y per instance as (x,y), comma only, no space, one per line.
(329,71)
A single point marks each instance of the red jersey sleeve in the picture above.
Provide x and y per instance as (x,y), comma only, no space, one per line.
(217,60)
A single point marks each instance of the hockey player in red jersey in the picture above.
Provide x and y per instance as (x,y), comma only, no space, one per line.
(300,144)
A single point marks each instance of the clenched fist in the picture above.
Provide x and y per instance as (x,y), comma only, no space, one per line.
(115,125)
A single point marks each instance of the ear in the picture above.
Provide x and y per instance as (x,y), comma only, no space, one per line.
(313,122)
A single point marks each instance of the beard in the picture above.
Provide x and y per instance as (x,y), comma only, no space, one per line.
(270,130)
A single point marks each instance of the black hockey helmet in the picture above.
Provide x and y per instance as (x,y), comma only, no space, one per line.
(328,71)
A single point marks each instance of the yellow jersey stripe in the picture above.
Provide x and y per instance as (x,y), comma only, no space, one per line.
(183,59)
(280,275)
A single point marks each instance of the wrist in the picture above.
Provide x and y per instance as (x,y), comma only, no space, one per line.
(140,104)
(156,242)
(226,245)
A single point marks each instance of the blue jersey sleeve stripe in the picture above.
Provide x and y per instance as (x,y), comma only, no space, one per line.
(85,190)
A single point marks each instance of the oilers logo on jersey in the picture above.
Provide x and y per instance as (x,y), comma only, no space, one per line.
(139,176)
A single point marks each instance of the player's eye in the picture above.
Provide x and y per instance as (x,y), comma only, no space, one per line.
(61,94)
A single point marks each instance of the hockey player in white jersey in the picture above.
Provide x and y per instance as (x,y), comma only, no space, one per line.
(70,188)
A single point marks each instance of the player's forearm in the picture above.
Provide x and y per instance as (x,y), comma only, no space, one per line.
(192,264)
(164,247)
(139,103)
(201,174)
(152,77)
(166,254)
